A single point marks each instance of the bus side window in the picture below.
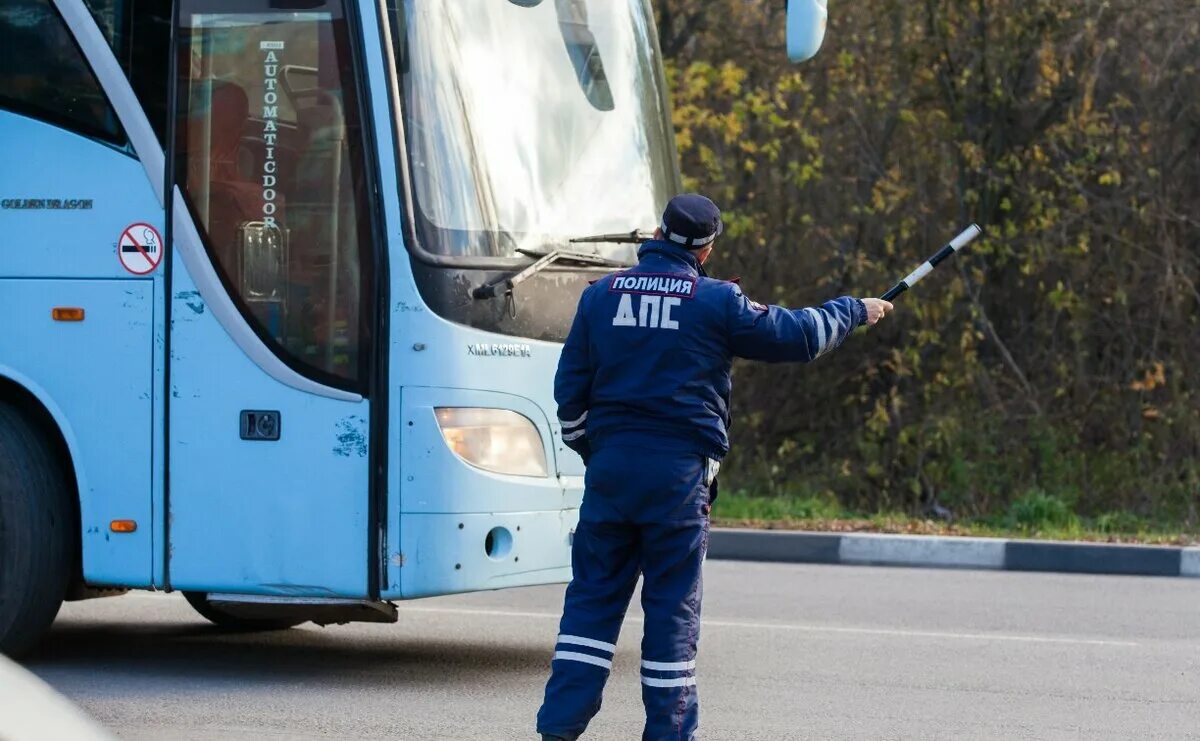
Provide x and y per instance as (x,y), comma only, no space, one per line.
(44,75)
(139,32)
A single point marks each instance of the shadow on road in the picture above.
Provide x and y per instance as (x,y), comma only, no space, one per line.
(161,652)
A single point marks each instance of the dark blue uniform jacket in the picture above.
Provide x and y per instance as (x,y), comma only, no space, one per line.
(647,362)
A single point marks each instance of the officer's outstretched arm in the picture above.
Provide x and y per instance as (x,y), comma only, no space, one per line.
(776,334)
(573,384)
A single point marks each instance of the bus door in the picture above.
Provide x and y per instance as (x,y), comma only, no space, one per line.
(272,293)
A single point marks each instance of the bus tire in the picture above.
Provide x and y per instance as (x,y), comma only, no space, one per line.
(221,619)
(37,532)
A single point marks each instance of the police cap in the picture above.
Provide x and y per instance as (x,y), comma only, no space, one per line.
(691,220)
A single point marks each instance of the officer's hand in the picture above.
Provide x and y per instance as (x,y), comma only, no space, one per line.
(877,309)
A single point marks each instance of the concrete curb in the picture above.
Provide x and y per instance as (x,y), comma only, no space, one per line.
(929,551)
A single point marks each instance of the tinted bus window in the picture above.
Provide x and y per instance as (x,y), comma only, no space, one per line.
(43,73)
(139,32)
(270,153)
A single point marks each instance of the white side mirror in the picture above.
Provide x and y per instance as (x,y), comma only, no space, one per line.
(805,28)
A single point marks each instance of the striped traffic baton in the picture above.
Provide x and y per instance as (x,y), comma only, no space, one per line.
(968,234)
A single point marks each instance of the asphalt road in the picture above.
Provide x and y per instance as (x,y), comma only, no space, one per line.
(787,652)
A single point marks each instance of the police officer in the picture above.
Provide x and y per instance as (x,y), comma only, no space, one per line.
(643,396)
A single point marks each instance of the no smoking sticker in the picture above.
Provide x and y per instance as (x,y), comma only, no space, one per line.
(140,248)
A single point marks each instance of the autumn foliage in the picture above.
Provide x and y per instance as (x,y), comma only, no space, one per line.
(1060,354)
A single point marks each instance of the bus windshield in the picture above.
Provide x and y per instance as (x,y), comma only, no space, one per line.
(529,122)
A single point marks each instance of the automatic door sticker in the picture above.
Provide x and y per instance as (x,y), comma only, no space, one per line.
(140,248)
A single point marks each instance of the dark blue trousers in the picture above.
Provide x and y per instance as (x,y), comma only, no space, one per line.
(644,512)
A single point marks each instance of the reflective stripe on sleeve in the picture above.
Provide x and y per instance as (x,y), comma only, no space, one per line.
(574,422)
(818,320)
(574,435)
(835,332)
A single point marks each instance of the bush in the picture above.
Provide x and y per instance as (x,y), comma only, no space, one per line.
(1120,523)
(740,506)
(1040,511)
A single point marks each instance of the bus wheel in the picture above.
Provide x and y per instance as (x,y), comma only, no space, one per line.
(220,618)
(37,532)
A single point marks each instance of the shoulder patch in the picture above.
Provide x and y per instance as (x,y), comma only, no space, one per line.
(737,291)
(739,294)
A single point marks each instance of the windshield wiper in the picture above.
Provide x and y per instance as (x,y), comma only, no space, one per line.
(636,236)
(545,259)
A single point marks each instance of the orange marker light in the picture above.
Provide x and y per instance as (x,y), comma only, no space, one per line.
(123,526)
(66,314)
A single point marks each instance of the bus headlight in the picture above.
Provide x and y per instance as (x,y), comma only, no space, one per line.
(496,440)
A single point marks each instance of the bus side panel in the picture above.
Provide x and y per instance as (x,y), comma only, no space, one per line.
(277,517)
(64,202)
(98,373)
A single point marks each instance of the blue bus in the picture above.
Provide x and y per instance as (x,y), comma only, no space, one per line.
(283,288)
